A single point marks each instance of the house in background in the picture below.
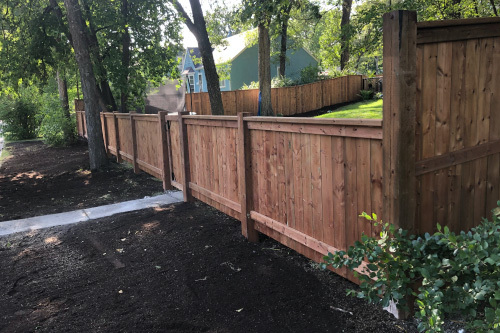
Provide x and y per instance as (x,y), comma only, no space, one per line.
(243,64)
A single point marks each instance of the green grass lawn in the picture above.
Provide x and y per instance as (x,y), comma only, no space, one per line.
(367,110)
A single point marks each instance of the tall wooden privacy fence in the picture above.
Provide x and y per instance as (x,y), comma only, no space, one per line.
(286,101)
(434,159)
(441,120)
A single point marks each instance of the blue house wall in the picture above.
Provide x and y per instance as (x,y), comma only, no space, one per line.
(244,68)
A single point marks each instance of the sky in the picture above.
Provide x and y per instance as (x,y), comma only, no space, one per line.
(189,39)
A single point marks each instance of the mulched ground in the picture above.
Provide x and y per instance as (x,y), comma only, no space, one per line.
(39,180)
(182,268)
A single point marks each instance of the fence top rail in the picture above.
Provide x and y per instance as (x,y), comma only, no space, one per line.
(456,22)
(455,30)
(200,117)
(145,116)
(318,121)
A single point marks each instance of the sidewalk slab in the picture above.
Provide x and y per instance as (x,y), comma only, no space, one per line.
(81,215)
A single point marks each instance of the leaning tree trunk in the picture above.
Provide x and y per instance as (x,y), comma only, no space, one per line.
(97,154)
(266,107)
(125,58)
(345,34)
(285,17)
(199,29)
(62,87)
(207,58)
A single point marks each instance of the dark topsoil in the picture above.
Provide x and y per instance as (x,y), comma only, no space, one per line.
(39,180)
(182,268)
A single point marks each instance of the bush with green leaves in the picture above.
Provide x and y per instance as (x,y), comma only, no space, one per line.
(252,85)
(56,128)
(282,81)
(310,74)
(18,113)
(445,273)
(366,95)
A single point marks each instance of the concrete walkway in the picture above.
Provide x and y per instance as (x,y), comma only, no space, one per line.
(46,221)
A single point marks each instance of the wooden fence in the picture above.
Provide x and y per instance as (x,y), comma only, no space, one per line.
(139,139)
(286,101)
(302,181)
(441,121)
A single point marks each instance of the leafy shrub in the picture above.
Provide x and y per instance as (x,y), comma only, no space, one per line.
(252,85)
(282,81)
(378,95)
(310,74)
(366,95)
(18,114)
(57,129)
(446,273)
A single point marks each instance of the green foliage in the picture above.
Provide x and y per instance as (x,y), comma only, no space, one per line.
(18,113)
(447,273)
(310,74)
(366,94)
(282,81)
(223,21)
(252,85)
(56,128)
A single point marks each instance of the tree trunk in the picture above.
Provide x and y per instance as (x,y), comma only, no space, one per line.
(345,34)
(125,58)
(62,87)
(199,29)
(492,2)
(97,154)
(107,100)
(285,17)
(266,107)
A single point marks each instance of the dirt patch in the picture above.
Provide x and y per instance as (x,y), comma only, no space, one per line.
(37,180)
(183,268)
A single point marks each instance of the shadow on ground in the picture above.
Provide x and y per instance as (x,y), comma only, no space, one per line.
(182,268)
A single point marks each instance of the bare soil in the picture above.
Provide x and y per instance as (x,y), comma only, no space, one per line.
(38,180)
(182,268)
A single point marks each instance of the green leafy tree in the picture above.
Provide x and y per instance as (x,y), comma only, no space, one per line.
(223,21)
(305,11)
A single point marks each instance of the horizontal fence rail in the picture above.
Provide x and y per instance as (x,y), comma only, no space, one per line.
(434,159)
(286,101)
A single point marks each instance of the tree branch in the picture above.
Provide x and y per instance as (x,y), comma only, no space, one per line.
(186,17)
(492,2)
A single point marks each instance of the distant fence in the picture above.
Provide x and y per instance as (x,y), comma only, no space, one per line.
(286,101)
(303,181)
(139,139)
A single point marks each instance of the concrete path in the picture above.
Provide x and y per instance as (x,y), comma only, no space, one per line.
(46,221)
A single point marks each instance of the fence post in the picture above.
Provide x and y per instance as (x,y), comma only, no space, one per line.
(105,133)
(399,181)
(134,142)
(117,138)
(245,179)
(184,158)
(165,158)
